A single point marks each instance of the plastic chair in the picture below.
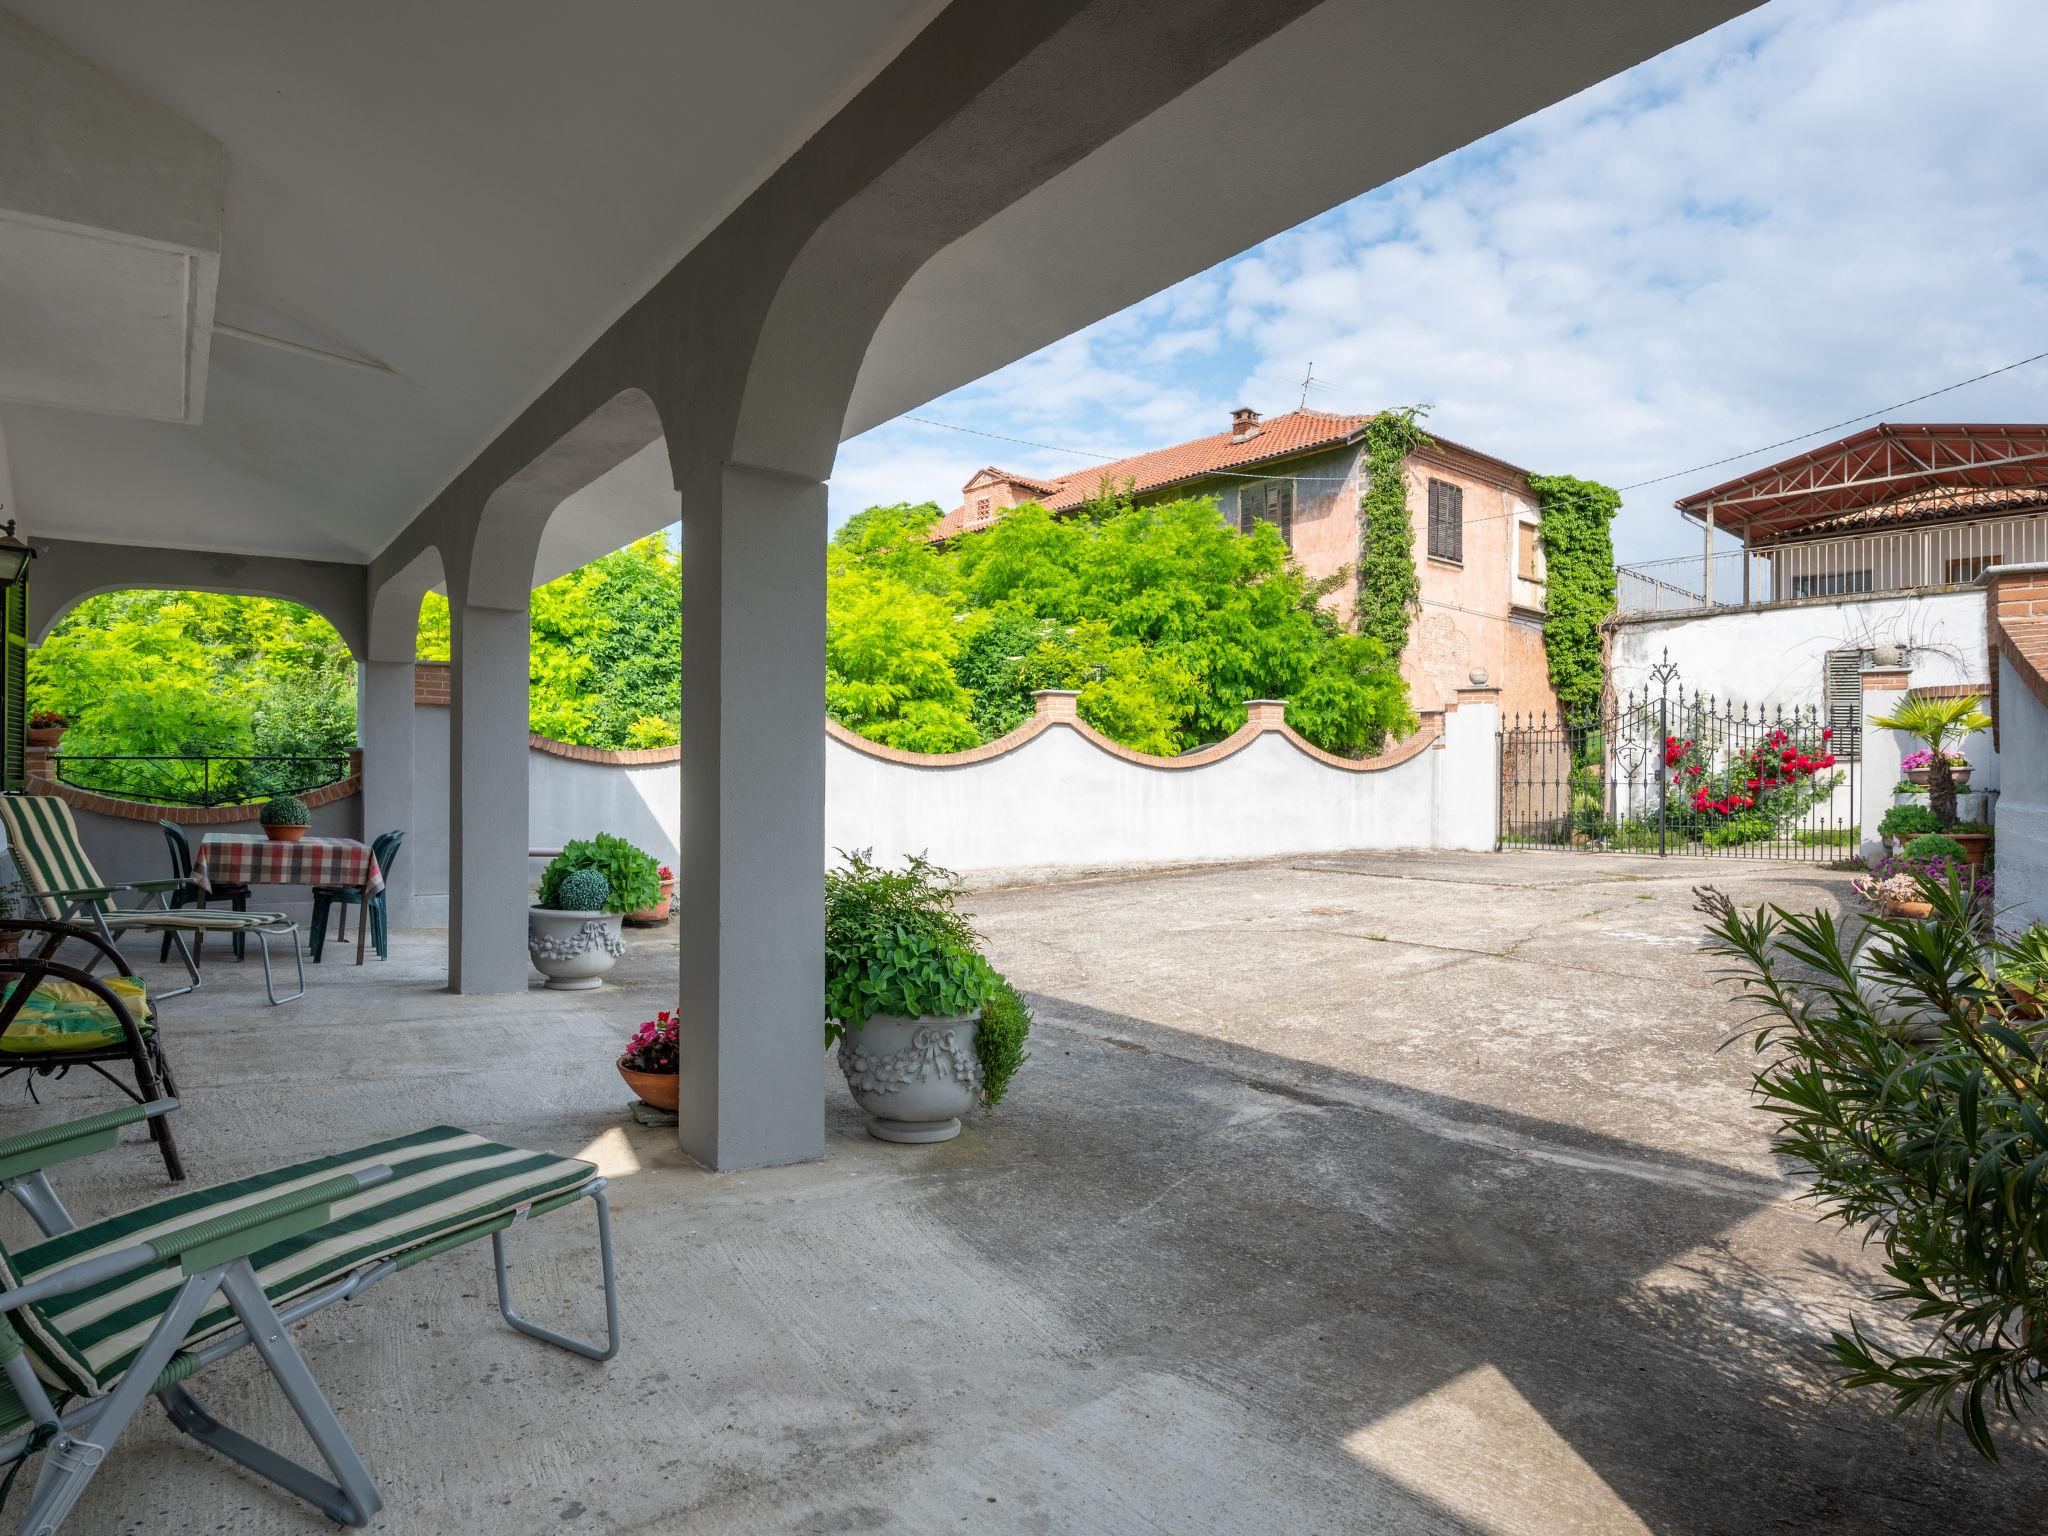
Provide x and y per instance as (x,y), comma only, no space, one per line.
(235,894)
(326,897)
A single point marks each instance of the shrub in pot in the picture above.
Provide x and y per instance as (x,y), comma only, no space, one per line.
(1902,823)
(1942,724)
(1931,1139)
(656,911)
(284,819)
(572,930)
(46,728)
(926,1029)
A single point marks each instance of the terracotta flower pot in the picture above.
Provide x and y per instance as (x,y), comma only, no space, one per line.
(1916,910)
(656,1088)
(1974,844)
(45,735)
(284,834)
(658,913)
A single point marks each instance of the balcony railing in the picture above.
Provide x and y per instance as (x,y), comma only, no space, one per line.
(1931,558)
(199,781)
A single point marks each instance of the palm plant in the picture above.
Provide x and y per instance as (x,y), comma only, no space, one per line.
(1941,724)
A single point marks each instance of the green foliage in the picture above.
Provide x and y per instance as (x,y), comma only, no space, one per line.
(1578,550)
(284,811)
(178,674)
(605,668)
(1163,619)
(633,877)
(1933,846)
(1904,1079)
(1388,588)
(583,890)
(1907,821)
(895,943)
(999,1042)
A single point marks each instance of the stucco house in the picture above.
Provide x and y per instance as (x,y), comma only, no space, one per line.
(1476,546)
(1870,548)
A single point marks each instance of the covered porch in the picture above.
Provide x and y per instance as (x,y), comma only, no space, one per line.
(1247,1249)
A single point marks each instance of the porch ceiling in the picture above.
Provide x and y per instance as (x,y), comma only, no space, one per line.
(463,194)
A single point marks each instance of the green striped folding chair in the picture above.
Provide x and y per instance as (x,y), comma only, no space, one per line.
(102,1316)
(45,843)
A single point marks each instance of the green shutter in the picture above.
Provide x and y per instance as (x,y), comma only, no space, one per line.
(14,690)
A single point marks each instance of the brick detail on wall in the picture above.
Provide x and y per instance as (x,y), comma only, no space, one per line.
(2016,627)
(430,684)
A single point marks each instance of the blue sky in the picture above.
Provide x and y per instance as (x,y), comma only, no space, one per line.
(1821,208)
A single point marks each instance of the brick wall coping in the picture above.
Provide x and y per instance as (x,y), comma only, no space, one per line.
(1052,707)
(622,757)
(1056,709)
(41,782)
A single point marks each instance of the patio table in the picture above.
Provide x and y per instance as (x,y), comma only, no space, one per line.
(250,858)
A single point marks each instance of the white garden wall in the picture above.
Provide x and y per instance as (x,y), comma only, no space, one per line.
(1053,793)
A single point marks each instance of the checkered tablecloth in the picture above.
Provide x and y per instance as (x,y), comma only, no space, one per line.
(250,858)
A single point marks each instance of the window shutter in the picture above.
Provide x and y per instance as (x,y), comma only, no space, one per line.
(1247,508)
(1454,520)
(14,690)
(1286,518)
(1844,693)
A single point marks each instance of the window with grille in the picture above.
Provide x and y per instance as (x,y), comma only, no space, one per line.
(1966,569)
(1271,501)
(1446,521)
(1528,562)
(981,510)
(1843,686)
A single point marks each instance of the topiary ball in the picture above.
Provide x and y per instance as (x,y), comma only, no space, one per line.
(584,891)
(284,811)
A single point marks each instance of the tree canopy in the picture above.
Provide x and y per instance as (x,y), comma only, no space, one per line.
(177,674)
(606,658)
(1164,618)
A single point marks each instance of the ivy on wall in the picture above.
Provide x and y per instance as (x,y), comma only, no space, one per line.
(1578,550)
(1388,588)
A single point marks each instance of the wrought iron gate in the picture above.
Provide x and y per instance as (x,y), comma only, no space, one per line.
(1677,772)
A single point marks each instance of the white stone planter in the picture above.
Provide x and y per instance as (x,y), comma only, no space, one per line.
(573,949)
(914,1077)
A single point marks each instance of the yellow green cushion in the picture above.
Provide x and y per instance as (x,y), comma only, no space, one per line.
(67,1016)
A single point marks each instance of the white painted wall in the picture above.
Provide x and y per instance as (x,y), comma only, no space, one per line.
(1059,800)
(1774,656)
(2022,817)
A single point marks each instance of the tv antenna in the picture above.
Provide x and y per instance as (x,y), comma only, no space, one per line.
(1306,380)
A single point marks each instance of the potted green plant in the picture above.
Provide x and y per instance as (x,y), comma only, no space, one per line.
(1942,724)
(46,728)
(284,819)
(1975,838)
(649,1064)
(1903,823)
(572,929)
(926,1028)
(656,912)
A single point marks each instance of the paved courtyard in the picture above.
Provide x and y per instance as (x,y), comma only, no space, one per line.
(1373,1193)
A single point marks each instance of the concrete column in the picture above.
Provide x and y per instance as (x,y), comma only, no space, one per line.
(385,713)
(487,832)
(750,879)
(1882,750)
(1468,771)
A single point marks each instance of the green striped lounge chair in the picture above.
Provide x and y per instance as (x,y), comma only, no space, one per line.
(100,1317)
(46,847)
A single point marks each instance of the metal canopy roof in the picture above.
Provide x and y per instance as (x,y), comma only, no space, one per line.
(1873,469)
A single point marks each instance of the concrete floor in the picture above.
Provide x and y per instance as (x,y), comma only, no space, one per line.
(1373,1193)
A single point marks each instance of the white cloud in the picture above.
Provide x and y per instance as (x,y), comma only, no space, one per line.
(1815,210)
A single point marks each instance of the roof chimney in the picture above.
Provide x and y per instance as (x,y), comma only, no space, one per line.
(1244,424)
